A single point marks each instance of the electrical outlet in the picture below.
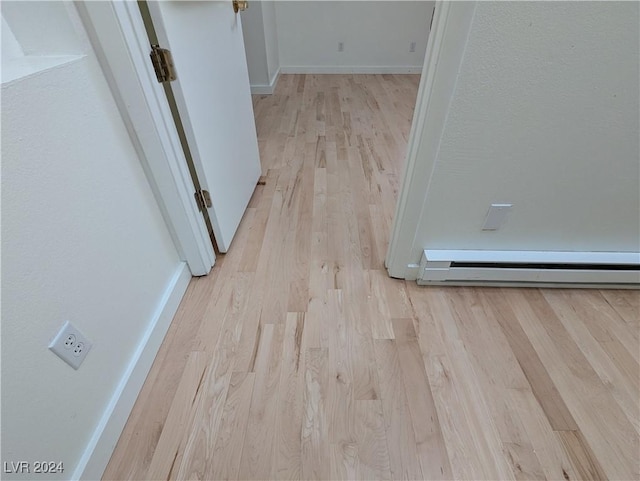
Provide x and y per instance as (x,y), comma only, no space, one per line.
(412,47)
(78,350)
(70,345)
(69,341)
(340,46)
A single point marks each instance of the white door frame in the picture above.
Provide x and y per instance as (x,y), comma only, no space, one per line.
(445,49)
(121,44)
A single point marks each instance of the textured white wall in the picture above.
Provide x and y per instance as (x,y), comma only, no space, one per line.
(11,49)
(271,38)
(83,240)
(260,32)
(254,44)
(55,22)
(545,116)
(37,36)
(376,35)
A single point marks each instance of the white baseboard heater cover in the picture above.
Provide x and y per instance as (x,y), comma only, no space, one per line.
(466,267)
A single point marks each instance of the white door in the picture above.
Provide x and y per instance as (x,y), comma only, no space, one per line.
(214,100)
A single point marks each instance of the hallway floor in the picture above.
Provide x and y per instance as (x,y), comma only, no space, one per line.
(298,358)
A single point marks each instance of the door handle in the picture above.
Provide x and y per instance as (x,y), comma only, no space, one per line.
(240,5)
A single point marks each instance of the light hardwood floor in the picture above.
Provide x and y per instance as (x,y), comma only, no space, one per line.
(298,358)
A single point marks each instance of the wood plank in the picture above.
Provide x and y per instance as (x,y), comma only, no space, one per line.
(471,437)
(315,425)
(545,442)
(360,177)
(260,440)
(432,453)
(301,245)
(584,462)
(487,346)
(171,442)
(209,403)
(381,228)
(230,436)
(498,371)
(593,308)
(340,395)
(395,294)
(380,316)
(403,451)
(599,418)
(601,349)
(288,456)
(366,456)
(541,383)
(371,441)
(626,303)
(254,239)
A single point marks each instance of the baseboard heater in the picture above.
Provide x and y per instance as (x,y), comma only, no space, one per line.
(540,268)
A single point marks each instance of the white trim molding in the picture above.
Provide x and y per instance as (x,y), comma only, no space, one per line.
(534,268)
(445,49)
(101,445)
(348,69)
(261,89)
(119,38)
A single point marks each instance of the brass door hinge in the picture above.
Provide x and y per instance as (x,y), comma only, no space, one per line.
(162,64)
(203,199)
(240,5)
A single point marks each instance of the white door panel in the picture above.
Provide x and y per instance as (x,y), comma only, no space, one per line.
(214,100)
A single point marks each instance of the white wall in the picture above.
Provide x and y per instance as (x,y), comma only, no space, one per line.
(11,49)
(303,37)
(544,115)
(82,240)
(376,36)
(24,53)
(56,24)
(271,38)
(254,44)
(259,30)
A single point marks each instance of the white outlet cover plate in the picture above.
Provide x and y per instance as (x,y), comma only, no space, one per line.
(77,350)
(496,216)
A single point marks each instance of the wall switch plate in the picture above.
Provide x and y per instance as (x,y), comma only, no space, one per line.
(496,216)
(70,345)
(412,47)
(340,46)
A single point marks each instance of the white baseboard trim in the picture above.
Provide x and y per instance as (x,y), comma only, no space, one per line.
(347,69)
(261,89)
(412,272)
(100,448)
